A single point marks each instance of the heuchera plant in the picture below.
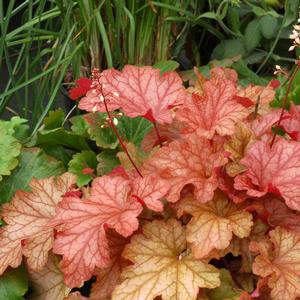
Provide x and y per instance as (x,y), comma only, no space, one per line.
(207,208)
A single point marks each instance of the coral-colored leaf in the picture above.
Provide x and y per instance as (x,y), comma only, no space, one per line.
(292,124)
(150,190)
(281,264)
(226,184)
(190,161)
(273,211)
(141,91)
(215,111)
(81,237)
(214,223)
(262,126)
(48,283)
(163,266)
(27,218)
(261,95)
(167,133)
(275,170)
(109,277)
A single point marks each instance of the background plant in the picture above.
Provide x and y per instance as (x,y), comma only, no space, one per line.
(47,43)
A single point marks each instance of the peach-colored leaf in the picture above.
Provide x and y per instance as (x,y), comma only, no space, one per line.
(162,265)
(275,170)
(75,296)
(48,283)
(236,146)
(190,161)
(142,91)
(27,217)
(81,237)
(281,262)
(150,190)
(216,111)
(214,223)
(109,277)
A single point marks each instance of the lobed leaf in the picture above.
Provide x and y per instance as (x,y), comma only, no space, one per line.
(81,224)
(189,161)
(214,223)
(280,265)
(27,218)
(216,110)
(48,283)
(162,265)
(272,170)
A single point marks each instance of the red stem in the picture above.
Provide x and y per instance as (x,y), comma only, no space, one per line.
(157,133)
(119,138)
(285,102)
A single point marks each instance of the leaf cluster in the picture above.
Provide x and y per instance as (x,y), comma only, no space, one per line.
(192,199)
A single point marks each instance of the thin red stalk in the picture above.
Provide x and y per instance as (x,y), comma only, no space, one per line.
(284,103)
(157,133)
(120,139)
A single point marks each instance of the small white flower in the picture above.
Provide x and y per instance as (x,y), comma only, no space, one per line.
(115,120)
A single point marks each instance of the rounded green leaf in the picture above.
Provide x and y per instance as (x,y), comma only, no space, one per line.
(252,35)
(33,163)
(83,165)
(229,48)
(10,149)
(13,284)
(269,26)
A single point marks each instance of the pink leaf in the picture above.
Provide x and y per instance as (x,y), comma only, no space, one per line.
(150,190)
(292,123)
(190,161)
(216,111)
(268,169)
(81,237)
(142,91)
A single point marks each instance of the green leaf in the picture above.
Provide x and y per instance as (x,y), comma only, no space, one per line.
(54,119)
(13,284)
(81,161)
(12,124)
(59,136)
(99,130)
(79,125)
(10,149)
(166,65)
(229,48)
(33,163)
(269,26)
(133,130)
(261,12)
(130,129)
(252,35)
(226,291)
(247,74)
(107,161)
(291,11)
(59,152)
(233,19)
